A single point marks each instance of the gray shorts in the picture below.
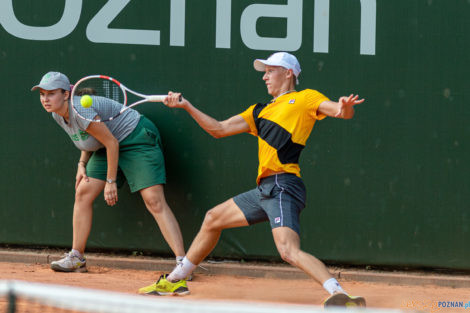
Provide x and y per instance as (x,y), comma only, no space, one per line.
(279,198)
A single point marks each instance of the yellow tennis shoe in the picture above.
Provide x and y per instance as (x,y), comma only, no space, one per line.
(164,287)
(344,300)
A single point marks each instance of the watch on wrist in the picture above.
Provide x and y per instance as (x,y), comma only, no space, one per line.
(110,181)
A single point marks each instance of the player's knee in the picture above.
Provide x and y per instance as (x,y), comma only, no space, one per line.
(155,205)
(288,254)
(83,195)
(211,221)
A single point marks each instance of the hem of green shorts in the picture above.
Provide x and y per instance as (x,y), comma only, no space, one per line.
(135,188)
(143,186)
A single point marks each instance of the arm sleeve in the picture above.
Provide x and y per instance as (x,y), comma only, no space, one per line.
(248,117)
(82,124)
(314,99)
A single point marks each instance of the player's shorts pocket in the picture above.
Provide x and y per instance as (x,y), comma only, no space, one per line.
(152,137)
(145,133)
(266,189)
(272,186)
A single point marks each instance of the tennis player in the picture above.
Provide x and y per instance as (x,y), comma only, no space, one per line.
(282,126)
(126,148)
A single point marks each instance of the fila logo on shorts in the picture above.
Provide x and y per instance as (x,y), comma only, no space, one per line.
(277,220)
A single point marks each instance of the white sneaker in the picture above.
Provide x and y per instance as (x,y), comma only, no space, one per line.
(69,263)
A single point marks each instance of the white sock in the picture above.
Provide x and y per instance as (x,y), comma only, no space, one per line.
(332,286)
(181,270)
(179,259)
(77,254)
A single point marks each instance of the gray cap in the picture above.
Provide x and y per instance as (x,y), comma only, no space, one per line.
(53,80)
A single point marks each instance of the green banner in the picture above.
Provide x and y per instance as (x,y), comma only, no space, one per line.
(389,187)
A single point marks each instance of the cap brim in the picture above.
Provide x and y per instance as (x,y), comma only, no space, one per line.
(260,65)
(68,88)
(43,87)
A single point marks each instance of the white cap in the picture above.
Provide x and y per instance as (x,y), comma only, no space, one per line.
(53,80)
(283,59)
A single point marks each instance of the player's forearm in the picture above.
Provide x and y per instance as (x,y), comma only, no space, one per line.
(335,109)
(209,124)
(84,157)
(112,155)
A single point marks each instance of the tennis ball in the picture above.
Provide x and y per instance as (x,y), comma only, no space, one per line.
(86,101)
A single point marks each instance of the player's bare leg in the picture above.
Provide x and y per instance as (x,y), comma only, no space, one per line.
(223,216)
(288,244)
(154,198)
(85,194)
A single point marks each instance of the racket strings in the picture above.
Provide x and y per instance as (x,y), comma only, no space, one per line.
(102,88)
(107,99)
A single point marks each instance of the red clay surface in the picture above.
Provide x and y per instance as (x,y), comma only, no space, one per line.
(238,288)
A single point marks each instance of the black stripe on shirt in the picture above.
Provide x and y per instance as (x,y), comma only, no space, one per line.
(277,137)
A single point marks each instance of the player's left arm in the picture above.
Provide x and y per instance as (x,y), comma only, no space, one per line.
(102,133)
(344,108)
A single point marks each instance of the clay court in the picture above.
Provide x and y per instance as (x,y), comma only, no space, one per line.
(269,289)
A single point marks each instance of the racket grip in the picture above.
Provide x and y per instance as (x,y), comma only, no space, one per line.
(160,98)
(156,98)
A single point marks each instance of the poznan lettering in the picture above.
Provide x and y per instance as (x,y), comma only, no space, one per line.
(98,29)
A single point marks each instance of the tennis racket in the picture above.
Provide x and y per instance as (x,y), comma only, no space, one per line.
(100,98)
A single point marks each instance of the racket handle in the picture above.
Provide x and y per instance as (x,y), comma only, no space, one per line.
(155,98)
(160,98)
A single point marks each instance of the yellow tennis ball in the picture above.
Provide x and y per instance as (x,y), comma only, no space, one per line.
(86,101)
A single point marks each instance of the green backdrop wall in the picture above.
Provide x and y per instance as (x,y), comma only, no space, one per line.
(389,187)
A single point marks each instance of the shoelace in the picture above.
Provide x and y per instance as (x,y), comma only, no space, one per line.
(66,254)
(71,256)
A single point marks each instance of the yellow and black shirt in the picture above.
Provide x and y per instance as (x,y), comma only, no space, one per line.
(283,127)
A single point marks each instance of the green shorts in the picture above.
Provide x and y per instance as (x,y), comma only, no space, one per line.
(141,160)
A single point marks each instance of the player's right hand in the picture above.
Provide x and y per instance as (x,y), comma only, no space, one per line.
(110,194)
(173,100)
(81,175)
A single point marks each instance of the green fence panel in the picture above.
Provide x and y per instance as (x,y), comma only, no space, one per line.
(389,187)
